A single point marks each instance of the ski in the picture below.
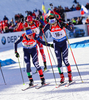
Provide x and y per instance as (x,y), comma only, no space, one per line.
(38,87)
(61,84)
(29,87)
(69,83)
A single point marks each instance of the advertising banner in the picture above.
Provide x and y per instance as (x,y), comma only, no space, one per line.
(8,39)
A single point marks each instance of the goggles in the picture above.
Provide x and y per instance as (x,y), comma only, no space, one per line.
(52,21)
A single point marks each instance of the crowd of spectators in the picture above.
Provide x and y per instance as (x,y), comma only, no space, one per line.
(17,23)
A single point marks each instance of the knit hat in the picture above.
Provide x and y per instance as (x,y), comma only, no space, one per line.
(28,32)
(29,18)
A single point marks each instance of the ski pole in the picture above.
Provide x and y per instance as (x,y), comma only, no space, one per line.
(23,64)
(2,74)
(73,57)
(49,49)
(21,72)
(50,60)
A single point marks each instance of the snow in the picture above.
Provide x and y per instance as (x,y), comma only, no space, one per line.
(12,7)
(77,91)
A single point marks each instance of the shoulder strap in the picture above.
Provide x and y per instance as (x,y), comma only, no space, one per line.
(50,27)
(34,23)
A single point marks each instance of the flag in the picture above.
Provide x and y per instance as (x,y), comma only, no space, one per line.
(83,10)
(43,8)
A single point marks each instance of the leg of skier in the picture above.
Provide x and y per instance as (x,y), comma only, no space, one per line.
(59,60)
(36,64)
(42,53)
(65,60)
(28,68)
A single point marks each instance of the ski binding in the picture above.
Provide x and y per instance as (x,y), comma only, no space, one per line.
(29,87)
(61,84)
(38,87)
(69,83)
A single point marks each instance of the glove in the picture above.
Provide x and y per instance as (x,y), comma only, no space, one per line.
(51,45)
(40,26)
(17,54)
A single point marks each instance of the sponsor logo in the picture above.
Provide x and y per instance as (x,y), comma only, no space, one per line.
(55,29)
(33,27)
(3,40)
(9,39)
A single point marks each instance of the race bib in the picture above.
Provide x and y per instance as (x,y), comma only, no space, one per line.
(58,34)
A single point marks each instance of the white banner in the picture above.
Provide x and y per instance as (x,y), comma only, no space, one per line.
(8,39)
(72,14)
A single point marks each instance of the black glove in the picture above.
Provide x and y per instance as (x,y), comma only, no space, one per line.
(51,45)
(17,54)
(40,26)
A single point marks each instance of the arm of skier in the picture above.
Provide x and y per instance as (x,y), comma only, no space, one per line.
(68,26)
(47,27)
(43,42)
(17,42)
(15,45)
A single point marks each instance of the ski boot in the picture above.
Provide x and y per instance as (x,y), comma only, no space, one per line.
(31,82)
(42,81)
(70,76)
(62,78)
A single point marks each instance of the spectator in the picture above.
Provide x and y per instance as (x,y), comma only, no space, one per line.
(87,5)
(17,17)
(78,7)
(1,27)
(5,18)
(21,18)
(87,20)
(74,21)
(5,26)
(11,27)
(73,8)
(75,1)
(19,26)
(34,15)
(67,9)
(61,12)
(79,20)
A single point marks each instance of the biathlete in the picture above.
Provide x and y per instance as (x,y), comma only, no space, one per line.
(28,40)
(60,44)
(34,25)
